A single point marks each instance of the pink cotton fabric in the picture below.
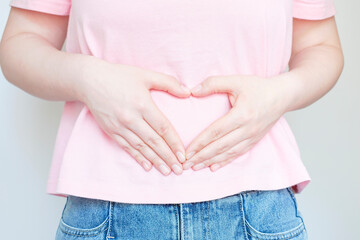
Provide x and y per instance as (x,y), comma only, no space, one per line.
(190,40)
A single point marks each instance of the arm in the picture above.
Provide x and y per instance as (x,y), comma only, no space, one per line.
(31,59)
(316,62)
(315,65)
(31,56)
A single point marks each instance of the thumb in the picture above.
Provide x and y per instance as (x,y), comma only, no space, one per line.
(167,83)
(212,85)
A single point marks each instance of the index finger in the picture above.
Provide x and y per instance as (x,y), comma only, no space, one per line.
(159,122)
(216,130)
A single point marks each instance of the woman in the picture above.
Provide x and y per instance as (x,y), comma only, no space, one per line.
(175,85)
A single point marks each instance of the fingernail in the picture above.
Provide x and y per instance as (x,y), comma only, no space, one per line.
(187,90)
(196,89)
(177,169)
(146,165)
(180,156)
(188,165)
(165,169)
(199,166)
(215,167)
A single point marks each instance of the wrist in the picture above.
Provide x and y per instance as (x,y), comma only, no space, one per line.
(289,90)
(87,81)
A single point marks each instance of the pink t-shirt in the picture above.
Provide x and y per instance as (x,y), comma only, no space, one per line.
(191,40)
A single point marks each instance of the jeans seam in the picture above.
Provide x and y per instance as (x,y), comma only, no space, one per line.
(84,231)
(272,236)
(296,230)
(66,203)
(296,206)
(111,207)
(242,212)
(177,221)
(84,235)
(278,238)
(70,230)
(202,219)
(208,219)
(289,189)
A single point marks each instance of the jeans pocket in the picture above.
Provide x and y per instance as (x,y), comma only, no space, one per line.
(272,215)
(84,218)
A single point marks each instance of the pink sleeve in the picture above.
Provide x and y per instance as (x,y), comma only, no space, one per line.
(313,9)
(57,7)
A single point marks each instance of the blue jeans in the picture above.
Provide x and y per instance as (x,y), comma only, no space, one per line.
(249,215)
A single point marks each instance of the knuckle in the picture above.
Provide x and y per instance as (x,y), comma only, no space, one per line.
(207,162)
(163,129)
(252,131)
(139,146)
(198,158)
(153,159)
(154,141)
(222,148)
(140,105)
(159,163)
(232,153)
(126,148)
(169,158)
(126,118)
(165,156)
(111,124)
(216,132)
(117,138)
(137,156)
(156,161)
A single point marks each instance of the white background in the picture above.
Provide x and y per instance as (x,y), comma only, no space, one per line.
(327,132)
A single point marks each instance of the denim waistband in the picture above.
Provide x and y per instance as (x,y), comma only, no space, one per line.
(247,215)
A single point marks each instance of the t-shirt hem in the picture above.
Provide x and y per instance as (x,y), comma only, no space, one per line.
(57,8)
(150,195)
(304,11)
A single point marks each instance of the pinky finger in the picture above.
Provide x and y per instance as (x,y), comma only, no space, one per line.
(146,164)
(220,164)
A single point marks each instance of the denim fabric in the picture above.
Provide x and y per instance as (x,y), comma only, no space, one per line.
(249,215)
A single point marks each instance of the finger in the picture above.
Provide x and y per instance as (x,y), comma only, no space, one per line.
(147,165)
(167,83)
(160,123)
(216,130)
(229,155)
(144,149)
(217,147)
(217,166)
(237,151)
(214,84)
(147,134)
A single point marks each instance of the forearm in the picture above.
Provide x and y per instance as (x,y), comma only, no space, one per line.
(312,73)
(31,63)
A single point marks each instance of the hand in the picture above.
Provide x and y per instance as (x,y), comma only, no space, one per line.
(118,96)
(257,103)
